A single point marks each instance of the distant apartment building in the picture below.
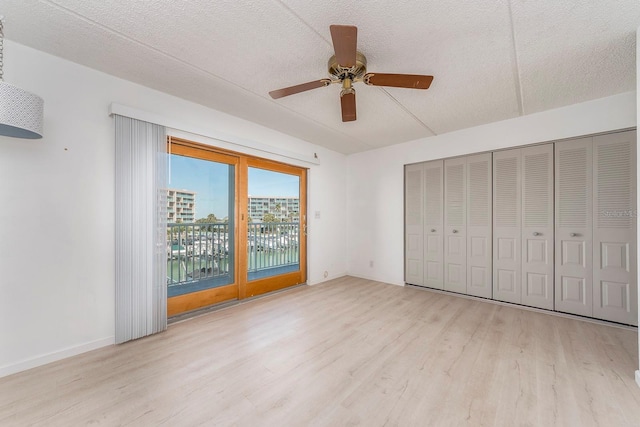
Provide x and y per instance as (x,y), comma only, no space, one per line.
(181,205)
(285,209)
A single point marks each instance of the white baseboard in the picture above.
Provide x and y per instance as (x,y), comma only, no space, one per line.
(376,279)
(326,279)
(54,356)
(638,378)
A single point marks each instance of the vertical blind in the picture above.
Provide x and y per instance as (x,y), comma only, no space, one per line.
(141,224)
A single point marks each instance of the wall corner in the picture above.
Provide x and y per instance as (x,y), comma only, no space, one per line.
(638,181)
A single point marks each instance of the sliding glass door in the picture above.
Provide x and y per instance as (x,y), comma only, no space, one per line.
(236,226)
(201,236)
(275,231)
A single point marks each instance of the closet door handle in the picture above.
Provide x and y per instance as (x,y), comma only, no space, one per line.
(535,233)
(573,234)
(433,230)
(454,231)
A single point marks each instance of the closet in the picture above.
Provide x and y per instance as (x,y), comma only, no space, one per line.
(424,254)
(434,224)
(455,231)
(574,227)
(615,293)
(478,225)
(448,224)
(414,196)
(551,226)
(467,229)
(523,226)
(596,247)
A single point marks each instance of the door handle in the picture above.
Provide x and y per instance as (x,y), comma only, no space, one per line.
(454,231)
(535,233)
(573,234)
(433,230)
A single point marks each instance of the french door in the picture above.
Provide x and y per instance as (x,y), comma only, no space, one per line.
(236,226)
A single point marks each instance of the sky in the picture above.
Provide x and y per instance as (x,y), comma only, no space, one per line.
(210,181)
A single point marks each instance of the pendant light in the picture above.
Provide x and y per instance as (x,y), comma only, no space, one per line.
(20,111)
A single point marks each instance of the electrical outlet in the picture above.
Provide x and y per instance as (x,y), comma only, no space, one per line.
(326,274)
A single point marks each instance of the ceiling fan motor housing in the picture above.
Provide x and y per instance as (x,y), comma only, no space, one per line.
(355,73)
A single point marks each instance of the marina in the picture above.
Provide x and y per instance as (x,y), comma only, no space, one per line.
(200,255)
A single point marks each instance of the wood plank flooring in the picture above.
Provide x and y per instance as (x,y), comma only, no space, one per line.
(344,353)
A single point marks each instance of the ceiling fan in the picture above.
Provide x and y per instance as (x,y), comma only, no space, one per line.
(349,66)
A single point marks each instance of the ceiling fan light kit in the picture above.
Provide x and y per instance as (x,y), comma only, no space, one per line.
(349,66)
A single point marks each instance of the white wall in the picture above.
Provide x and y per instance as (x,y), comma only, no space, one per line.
(375,178)
(57,206)
(638,182)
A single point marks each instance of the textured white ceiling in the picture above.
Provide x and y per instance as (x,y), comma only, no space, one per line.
(491,59)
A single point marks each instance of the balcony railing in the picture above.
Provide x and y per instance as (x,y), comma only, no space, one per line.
(273,245)
(198,252)
(200,255)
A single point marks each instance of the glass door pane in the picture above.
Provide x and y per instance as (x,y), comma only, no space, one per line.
(201,209)
(273,229)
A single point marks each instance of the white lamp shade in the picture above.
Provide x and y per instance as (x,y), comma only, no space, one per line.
(20,112)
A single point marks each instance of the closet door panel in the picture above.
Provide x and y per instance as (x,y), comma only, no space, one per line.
(537,226)
(455,238)
(614,229)
(434,224)
(507,259)
(479,225)
(574,214)
(414,219)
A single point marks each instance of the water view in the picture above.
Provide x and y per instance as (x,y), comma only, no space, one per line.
(200,255)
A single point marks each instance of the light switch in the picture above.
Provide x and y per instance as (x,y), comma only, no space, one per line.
(317,214)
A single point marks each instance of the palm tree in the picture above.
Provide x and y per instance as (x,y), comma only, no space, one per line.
(278,209)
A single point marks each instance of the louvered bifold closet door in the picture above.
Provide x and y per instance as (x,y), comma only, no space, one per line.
(414,219)
(479,241)
(507,261)
(455,236)
(434,224)
(574,214)
(537,226)
(614,229)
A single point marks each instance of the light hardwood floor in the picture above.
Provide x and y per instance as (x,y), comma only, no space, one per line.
(346,352)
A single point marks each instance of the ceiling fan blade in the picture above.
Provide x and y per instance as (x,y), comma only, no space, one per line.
(345,39)
(348,104)
(411,81)
(279,93)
